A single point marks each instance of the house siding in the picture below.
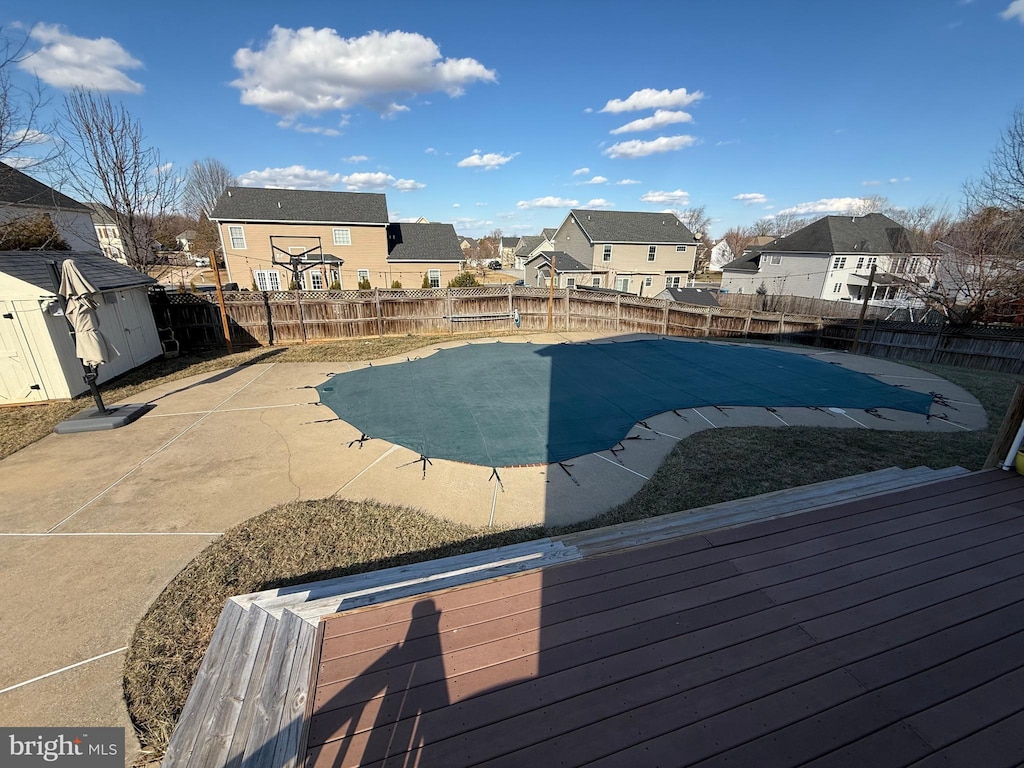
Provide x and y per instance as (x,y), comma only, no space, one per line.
(369,250)
(571,239)
(76,227)
(629,260)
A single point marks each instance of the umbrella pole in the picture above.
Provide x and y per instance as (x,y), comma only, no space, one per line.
(91,374)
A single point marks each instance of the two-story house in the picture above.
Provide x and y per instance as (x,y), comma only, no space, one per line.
(24,200)
(341,240)
(831,258)
(631,252)
(107,232)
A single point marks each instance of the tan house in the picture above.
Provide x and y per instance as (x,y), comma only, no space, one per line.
(629,251)
(335,238)
(422,255)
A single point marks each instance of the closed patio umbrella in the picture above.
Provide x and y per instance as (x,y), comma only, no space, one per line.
(90,345)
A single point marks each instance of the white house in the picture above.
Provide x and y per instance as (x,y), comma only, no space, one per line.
(832,258)
(21,196)
(37,354)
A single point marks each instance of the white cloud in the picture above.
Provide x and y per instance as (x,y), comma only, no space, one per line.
(430,151)
(750,198)
(581,172)
(355,159)
(376,181)
(896,180)
(649,98)
(68,61)
(456,205)
(659,119)
(479,204)
(490,161)
(28,136)
(873,183)
(292,177)
(623,182)
(679,197)
(408,185)
(1014,10)
(20,161)
(834,205)
(727,142)
(637,148)
(547,202)
(314,71)
(163,169)
(600,202)
(596,180)
(303,128)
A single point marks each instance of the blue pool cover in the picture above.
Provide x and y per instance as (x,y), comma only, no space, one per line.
(502,405)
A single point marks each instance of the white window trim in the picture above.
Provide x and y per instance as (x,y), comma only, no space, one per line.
(337,231)
(680,249)
(314,278)
(652,252)
(434,275)
(839,262)
(606,253)
(241,236)
(775,259)
(622,284)
(265,277)
(570,282)
(362,274)
(595,282)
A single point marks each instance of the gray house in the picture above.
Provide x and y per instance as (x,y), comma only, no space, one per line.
(632,252)
(831,258)
(22,197)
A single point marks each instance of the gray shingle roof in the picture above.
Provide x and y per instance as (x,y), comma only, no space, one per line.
(33,267)
(563,262)
(527,243)
(873,233)
(696,296)
(548,232)
(257,204)
(509,242)
(21,189)
(423,242)
(632,227)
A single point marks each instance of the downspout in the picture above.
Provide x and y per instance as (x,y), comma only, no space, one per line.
(1014,448)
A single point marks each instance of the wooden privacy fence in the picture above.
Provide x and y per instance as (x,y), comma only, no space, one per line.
(262,318)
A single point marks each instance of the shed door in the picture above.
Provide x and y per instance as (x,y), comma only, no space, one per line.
(132,325)
(19,382)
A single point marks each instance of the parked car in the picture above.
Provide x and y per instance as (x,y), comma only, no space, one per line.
(494,264)
(519,282)
(202,262)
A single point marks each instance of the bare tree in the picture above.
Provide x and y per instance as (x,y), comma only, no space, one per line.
(21,108)
(779,225)
(698,222)
(738,240)
(1002,183)
(107,160)
(205,183)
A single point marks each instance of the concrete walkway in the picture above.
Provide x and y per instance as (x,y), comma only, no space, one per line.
(93,526)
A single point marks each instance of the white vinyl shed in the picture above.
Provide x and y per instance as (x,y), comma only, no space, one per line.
(37,354)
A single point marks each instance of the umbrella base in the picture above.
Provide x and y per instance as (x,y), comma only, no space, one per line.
(90,420)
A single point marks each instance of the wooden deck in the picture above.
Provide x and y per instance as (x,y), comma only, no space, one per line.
(882,631)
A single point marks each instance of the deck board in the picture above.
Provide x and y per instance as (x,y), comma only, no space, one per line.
(882,631)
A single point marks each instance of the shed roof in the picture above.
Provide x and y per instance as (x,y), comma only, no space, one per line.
(300,205)
(632,227)
(884,630)
(700,297)
(33,267)
(563,262)
(423,242)
(18,188)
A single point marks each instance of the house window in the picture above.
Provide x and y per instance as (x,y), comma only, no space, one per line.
(860,263)
(648,281)
(343,236)
(622,284)
(607,255)
(837,287)
(316,281)
(872,260)
(839,263)
(595,282)
(363,274)
(570,282)
(672,281)
(775,259)
(680,249)
(901,266)
(268,279)
(336,277)
(434,276)
(237,235)
(652,250)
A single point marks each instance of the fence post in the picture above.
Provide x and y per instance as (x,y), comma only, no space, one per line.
(511,309)
(618,312)
(818,337)
(707,323)
(567,309)
(935,344)
(298,306)
(270,318)
(380,317)
(782,324)
(871,338)
(448,309)
(746,325)
(664,319)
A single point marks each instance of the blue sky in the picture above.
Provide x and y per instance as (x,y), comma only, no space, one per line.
(504,115)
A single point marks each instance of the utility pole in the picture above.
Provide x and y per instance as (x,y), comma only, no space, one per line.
(863,310)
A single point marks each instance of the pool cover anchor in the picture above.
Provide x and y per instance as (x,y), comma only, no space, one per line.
(565,468)
(360,440)
(874,412)
(496,476)
(422,459)
(940,399)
